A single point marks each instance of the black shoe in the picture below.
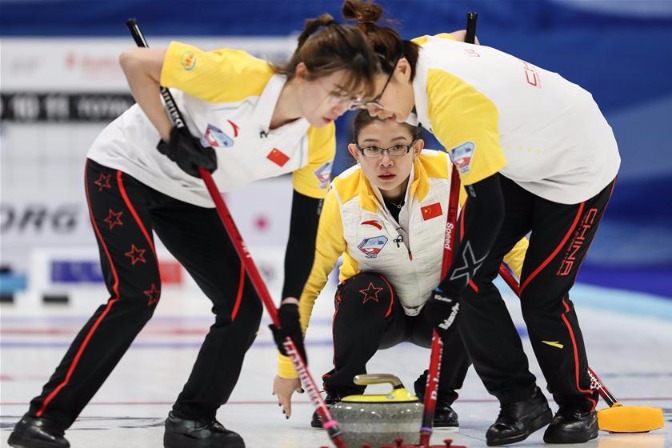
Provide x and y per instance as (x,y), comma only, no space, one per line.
(36,432)
(444,415)
(182,433)
(316,420)
(518,420)
(572,426)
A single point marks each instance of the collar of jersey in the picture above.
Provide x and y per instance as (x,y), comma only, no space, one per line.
(263,112)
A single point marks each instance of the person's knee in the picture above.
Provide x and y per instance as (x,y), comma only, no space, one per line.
(366,294)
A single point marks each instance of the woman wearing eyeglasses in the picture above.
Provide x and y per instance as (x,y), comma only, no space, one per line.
(386,217)
(536,157)
(247,119)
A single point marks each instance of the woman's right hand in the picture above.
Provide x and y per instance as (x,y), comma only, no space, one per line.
(283,388)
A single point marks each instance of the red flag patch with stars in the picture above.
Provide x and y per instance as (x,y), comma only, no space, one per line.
(431,211)
(278,157)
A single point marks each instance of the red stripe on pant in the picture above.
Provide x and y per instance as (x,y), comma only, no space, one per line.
(110,304)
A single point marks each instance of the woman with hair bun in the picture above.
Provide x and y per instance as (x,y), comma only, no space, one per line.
(537,157)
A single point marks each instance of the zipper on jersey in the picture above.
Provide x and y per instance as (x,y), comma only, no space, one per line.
(400,238)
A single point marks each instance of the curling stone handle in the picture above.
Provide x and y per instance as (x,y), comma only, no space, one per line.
(378,378)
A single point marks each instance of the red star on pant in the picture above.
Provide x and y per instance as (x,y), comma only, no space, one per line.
(153,293)
(114,218)
(370,293)
(136,255)
(103,181)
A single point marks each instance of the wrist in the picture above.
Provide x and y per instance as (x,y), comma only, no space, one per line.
(290,300)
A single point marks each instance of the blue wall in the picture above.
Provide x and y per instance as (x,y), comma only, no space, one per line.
(620,51)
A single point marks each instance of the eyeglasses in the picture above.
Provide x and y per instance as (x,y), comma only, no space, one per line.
(336,98)
(374,104)
(376,152)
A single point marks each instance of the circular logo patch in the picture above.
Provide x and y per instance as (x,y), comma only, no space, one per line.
(188,61)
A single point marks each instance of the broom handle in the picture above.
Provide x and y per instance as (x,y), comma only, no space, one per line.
(434,371)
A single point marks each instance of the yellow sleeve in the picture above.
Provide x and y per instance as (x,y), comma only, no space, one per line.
(313,179)
(466,122)
(223,75)
(515,258)
(420,40)
(330,244)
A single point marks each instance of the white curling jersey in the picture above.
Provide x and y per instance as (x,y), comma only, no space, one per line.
(227,98)
(496,113)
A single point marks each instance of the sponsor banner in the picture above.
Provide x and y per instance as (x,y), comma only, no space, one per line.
(43,222)
(27,107)
(92,65)
(70,272)
(55,218)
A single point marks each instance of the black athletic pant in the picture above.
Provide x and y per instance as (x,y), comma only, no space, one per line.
(124,213)
(368,318)
(559,239)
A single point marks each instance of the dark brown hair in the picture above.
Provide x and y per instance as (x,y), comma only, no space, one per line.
(333,48)
(385,41)
(363,119)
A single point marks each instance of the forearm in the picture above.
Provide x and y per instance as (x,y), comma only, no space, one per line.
(483,216)
(142,67)
(300,251)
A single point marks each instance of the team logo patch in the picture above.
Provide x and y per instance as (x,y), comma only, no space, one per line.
(371,247)
(188,60)
(215,137)
(462,155)
(323,174)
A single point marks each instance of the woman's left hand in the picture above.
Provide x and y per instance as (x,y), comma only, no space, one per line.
(283,388)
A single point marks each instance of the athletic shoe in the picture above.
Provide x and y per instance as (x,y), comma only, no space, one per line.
(36,432)
(204,433)
(444,415)
(571,426)
(516,421)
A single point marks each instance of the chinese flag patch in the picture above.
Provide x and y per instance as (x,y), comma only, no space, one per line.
(278,157)
(431,211)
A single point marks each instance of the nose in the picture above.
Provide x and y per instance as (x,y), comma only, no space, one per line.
(340,108)
(385,159)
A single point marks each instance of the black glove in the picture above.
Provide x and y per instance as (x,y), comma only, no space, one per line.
(188,152)
(442,312)
(290,325)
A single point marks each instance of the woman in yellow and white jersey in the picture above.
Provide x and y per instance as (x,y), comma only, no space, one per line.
(246,120)
(536,156)
(386,218)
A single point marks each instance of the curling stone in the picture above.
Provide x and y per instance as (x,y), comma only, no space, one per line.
(378,419)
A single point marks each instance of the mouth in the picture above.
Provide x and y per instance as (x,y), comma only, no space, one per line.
(387,176)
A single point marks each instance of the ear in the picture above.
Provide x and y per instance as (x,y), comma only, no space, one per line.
(301,71)
(354,151)
(404,69)
(417,148)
